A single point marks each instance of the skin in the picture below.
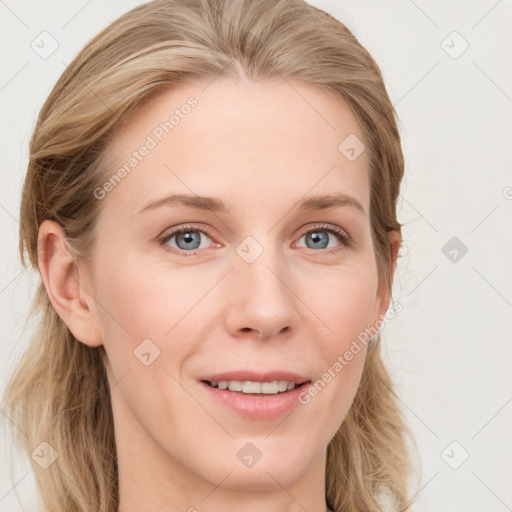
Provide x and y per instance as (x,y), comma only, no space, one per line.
(260,147)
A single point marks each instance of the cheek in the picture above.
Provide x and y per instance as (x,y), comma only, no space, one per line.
(346,305)
(139,302)
(148,317)
(143,320)
(346,308)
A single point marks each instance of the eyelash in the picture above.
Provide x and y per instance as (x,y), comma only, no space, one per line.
(344,238)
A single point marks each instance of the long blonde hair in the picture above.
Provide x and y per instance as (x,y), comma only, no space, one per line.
(59,392)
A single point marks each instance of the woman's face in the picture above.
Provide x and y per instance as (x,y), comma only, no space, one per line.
(262,288)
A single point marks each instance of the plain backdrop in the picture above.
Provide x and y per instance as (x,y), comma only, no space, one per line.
(447,70)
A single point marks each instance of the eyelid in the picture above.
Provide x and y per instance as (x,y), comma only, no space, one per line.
(345,239)
(342,234)
(168,234)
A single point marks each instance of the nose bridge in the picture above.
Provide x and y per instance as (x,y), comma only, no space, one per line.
(264,271)
(262,297)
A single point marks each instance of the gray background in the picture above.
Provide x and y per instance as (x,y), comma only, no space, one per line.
(449,349)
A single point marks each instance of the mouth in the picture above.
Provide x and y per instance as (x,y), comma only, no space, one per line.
(248,387)
(255,396)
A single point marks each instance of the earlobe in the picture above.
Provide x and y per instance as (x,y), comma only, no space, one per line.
(65,285)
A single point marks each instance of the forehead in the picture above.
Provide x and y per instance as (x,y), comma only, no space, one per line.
(251,142)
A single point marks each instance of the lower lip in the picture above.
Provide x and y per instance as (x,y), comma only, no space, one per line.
(258,407)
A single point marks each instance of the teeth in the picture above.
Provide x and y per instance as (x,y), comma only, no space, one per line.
(251,387)
(265,388)
(235,385)
(282,385)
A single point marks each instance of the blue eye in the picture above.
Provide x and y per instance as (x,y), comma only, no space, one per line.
(188,239)
(320,237)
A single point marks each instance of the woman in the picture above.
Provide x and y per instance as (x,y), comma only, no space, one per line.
(211,205)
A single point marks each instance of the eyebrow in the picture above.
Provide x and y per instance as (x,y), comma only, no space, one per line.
(213,204)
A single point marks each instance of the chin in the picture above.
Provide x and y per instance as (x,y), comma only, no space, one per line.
(264,465)
(263,477)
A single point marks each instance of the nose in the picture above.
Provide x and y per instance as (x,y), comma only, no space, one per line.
(261,301)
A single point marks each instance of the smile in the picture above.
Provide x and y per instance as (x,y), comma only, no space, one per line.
(250,387)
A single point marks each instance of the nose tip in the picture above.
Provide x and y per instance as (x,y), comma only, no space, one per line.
(261,301)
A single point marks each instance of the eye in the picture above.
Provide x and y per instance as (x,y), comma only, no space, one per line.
(187,239)
(321,236)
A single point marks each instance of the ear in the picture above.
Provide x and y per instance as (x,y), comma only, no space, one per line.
(384,294)
(66,284)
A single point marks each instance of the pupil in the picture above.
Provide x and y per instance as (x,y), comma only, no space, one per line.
(318,237)
(188,238)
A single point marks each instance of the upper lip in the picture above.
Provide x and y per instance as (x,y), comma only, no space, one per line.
(244,375)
